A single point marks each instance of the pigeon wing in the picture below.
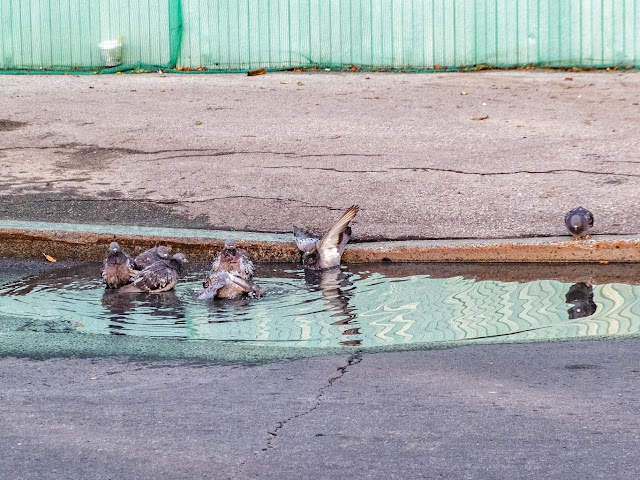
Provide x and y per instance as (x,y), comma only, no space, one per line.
(157,277)
(213,283)
(329,246)
(304,240)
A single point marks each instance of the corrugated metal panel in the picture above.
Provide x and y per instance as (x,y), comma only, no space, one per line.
(244,34)
(64,34)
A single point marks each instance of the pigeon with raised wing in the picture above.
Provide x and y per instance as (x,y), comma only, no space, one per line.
(324,253)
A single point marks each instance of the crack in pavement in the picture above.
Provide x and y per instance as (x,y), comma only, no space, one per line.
(342,370)
(461,172)
(196,152)
(352,360)
(302,203)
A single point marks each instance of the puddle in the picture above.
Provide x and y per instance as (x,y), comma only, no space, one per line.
(360,306)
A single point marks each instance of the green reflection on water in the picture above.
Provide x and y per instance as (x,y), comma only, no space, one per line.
(320,311)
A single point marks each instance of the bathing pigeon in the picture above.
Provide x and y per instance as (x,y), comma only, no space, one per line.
(232,275)
(578,222)
(160,276)
(320,254)
(224,284)
(154,254)
(230,259)
(117,269)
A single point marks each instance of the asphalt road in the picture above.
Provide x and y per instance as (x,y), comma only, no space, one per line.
(456,155)
(529,411)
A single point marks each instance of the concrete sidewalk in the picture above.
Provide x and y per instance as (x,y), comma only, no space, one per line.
(473,155)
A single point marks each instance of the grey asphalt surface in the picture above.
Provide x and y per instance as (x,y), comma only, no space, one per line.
(287,148)
(535,411)
(298,147)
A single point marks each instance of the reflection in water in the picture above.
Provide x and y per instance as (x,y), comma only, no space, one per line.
(336,291)
(324,309)
(580,297)
(122,306)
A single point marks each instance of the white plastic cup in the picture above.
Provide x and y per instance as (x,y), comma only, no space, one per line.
(111,51)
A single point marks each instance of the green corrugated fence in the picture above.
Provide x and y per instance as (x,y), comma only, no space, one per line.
(386,34)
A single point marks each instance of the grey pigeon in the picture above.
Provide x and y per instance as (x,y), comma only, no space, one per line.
(160,276)
(117,269)
(232,275)
(223,284)
(578,222)
(231,259)
(320,254)
(154,254)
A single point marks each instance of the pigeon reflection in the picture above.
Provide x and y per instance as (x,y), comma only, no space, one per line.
(334,285)
(121,305)
(580,297)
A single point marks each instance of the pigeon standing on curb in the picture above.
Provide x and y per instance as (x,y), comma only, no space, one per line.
(324,253)
(150,256)
(232,275)
(160,276)
(578,222)
(117,269)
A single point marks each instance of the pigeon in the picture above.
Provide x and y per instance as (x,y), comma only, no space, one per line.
(232,275)
(578,222)
(223,284)
(154,254)
(324,253)
(117,269)
(160,276)
(230,259)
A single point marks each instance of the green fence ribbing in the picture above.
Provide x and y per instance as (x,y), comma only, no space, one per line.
(234,35)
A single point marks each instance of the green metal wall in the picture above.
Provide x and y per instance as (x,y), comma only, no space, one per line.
(245,34)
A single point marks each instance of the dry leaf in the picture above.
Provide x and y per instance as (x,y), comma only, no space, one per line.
(198,122)
(480,118)
(78,325)
(437,67)
(49,258)
(567,79)
(257,71)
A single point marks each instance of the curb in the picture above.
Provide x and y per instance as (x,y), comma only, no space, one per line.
(90,242)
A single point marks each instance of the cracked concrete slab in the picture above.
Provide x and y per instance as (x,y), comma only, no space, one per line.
(126,418)
(565,410)
(298,147)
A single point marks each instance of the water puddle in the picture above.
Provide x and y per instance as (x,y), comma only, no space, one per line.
(359,306)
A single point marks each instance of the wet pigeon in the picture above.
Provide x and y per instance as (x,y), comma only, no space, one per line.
(160,276)
(320,254)
(232,275)
(117,269)
(152,255)
(230,259)
(223,284)
(578,222)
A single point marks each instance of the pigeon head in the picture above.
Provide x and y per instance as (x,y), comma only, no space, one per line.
(180,258)
(310,259)
(163,252)
(114,248)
